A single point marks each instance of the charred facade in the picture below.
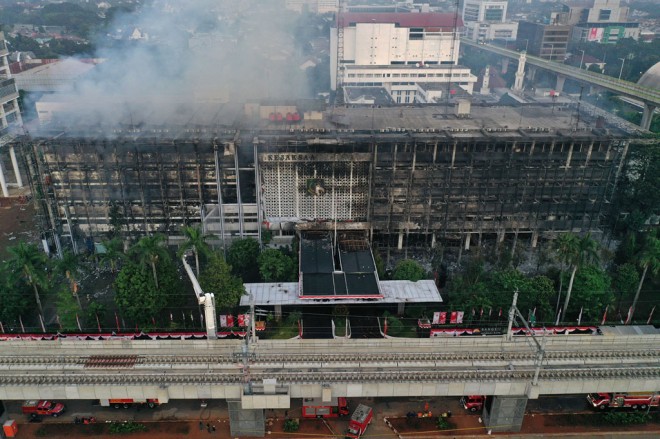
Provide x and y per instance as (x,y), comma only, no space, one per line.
(427,181)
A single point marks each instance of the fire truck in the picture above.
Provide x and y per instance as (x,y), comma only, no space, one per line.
(43,407)
(641,400)
(473,402)
(128,402)
(360,420)
(317,408)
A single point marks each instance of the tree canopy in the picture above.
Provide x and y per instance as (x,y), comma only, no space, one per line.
(137,296)
(242,257)
(218,279)
(408,269)
(275,266)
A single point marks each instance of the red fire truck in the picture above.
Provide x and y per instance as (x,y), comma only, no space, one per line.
(128,402)
(44,408)
(317,408)
(640,400)
(360,420)
(473,402)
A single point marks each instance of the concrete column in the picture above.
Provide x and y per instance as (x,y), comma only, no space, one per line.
(433,240)
(505,65)
(531,73)
(535,239)
(400,244)
(500,236)
(647,116)
(505,413)
(520,73)
(467,241)
(278,312)
(14,162)
(3,182)
(485,89)
(400,308)
(559,87)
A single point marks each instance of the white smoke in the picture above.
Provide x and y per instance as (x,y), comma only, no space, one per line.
(186,52)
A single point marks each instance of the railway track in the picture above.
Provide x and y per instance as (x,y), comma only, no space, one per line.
(268,359)
(301,376)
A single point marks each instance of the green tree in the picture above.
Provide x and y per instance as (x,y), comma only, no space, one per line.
(32,264)
(575,252)
(217,278)
(195,241)
(114,253)
(408,269)
(275,266)
(137,295)
(591,292)
(67,308)
(242,257)
(149,250)
(69,266)
(648,258)
(625,280)
(12,295)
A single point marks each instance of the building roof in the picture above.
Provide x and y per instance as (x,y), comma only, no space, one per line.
(651,78)
(367,95)
(393,291)
(319,278)
(402,19)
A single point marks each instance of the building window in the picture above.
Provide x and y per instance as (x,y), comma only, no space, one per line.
(416,33)
(604,14)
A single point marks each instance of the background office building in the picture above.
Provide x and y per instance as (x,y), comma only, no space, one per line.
(485,20)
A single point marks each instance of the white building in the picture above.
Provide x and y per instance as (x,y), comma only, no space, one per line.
(10,119)
(313,6)
(397,51)
(602,21)
(486,20)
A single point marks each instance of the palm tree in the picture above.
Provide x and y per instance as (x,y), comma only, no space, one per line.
(114,252)
(32,265)
(576,252)
(149,250)
(195,241)
(648,257)
(563,246)
(68,266)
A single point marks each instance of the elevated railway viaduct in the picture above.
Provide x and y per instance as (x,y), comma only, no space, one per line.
(177,369)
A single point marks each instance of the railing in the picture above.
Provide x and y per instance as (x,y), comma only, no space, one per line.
(619,85)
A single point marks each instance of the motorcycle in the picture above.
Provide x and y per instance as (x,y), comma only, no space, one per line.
(84,420)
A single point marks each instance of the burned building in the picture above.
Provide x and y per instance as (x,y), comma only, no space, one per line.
(406,178)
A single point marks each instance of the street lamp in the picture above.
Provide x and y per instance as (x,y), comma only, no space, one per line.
(623,61)
(581,59)
(526,44)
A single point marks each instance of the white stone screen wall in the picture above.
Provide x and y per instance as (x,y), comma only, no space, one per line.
(314,189)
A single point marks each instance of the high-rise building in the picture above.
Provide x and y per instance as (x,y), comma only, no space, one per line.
(547,41)
(602,21)
(407,179)
(485,20)
(10,119)
(402,52)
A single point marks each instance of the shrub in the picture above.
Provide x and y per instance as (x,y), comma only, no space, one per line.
(619,418)
(291,425)
(126,427)
(444,424)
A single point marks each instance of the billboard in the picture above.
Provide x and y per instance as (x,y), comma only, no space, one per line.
(595,34)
